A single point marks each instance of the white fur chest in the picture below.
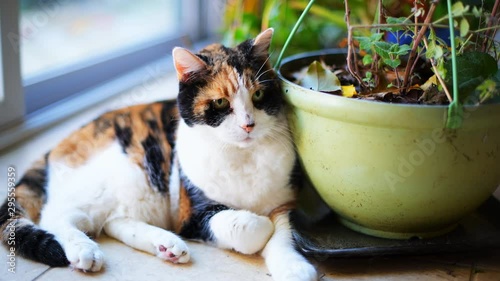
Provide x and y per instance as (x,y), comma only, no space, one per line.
(255,178)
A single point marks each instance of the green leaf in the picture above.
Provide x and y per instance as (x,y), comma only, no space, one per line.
(376,37)
(367,59)
(318,78)
(400,20)
(402,50)
(487,90)
(477,12)
(431,49)
(383,49)
(464,27)
(439,52)
(364,42)
(392,62)
(472,69)
(458,9)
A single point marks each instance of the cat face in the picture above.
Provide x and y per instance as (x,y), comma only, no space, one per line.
(231,93)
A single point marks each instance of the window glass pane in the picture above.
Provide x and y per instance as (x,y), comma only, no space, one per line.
(57,33)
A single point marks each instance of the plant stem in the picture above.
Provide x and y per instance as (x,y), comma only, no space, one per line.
(376,58)
(413,53)
(488,34)
(387,25)
(415,7)
(292,33)
(350,47)
(455,109)
(436,72)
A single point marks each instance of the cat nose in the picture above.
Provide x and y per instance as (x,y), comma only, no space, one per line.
(248,127)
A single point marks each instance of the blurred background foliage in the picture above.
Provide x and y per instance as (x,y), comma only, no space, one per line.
(324,27)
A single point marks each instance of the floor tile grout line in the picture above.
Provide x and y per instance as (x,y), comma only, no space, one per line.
(45,271)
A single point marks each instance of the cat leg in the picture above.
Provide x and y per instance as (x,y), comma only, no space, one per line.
(81,251)
(139,235)
(282,260)
(243,231)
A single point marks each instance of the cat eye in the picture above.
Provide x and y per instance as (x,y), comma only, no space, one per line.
(220,103)
(258,96)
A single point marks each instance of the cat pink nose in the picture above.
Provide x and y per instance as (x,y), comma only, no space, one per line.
(248,127)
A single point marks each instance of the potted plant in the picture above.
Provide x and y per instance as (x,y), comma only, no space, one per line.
(416,144)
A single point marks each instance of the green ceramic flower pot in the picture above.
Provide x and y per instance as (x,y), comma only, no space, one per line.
(391,170)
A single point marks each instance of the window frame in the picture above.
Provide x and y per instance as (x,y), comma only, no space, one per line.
(72,85)
(12,103)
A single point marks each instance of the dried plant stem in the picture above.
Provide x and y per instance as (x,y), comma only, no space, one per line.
(413,53)
(488,35)
(380,8)
(415,6)
(436,72)
(351,55)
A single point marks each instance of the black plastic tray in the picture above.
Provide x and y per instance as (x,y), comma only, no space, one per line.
(329,238)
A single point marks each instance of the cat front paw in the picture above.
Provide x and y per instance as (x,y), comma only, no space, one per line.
(171,248)
(301,271)
(243,231)
(85,255)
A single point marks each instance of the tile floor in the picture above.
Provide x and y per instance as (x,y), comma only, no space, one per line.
(124,263)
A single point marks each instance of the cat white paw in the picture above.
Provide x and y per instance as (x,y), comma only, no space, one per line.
(85,255)
(171,248)
(243,231)
(297,270)
(301,271)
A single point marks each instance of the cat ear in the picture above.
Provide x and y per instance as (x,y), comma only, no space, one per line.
(262,42)
(186,63)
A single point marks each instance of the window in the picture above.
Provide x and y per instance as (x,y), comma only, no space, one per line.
(56,34)
(59,50)
(69,46)
(12,99)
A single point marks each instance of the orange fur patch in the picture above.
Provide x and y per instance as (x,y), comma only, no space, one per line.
(285,208)
(184,208)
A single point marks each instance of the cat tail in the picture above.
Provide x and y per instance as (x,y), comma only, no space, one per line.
(19,212)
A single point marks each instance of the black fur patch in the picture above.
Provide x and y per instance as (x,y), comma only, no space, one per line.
(154,161)
(30,241)
(272,102)
(36,179)
(185,100)
(150,119)
(101,125)
(203,209)
(39,245)
(124,135)
(214,117)
(169,121)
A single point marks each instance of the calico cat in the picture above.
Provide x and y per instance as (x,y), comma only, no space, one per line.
(225,140)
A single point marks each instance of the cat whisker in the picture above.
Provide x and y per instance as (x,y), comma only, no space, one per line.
(262,66)
(264,81)
(260,75)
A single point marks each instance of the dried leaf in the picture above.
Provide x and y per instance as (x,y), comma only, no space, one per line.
(431,82)
(320,78)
